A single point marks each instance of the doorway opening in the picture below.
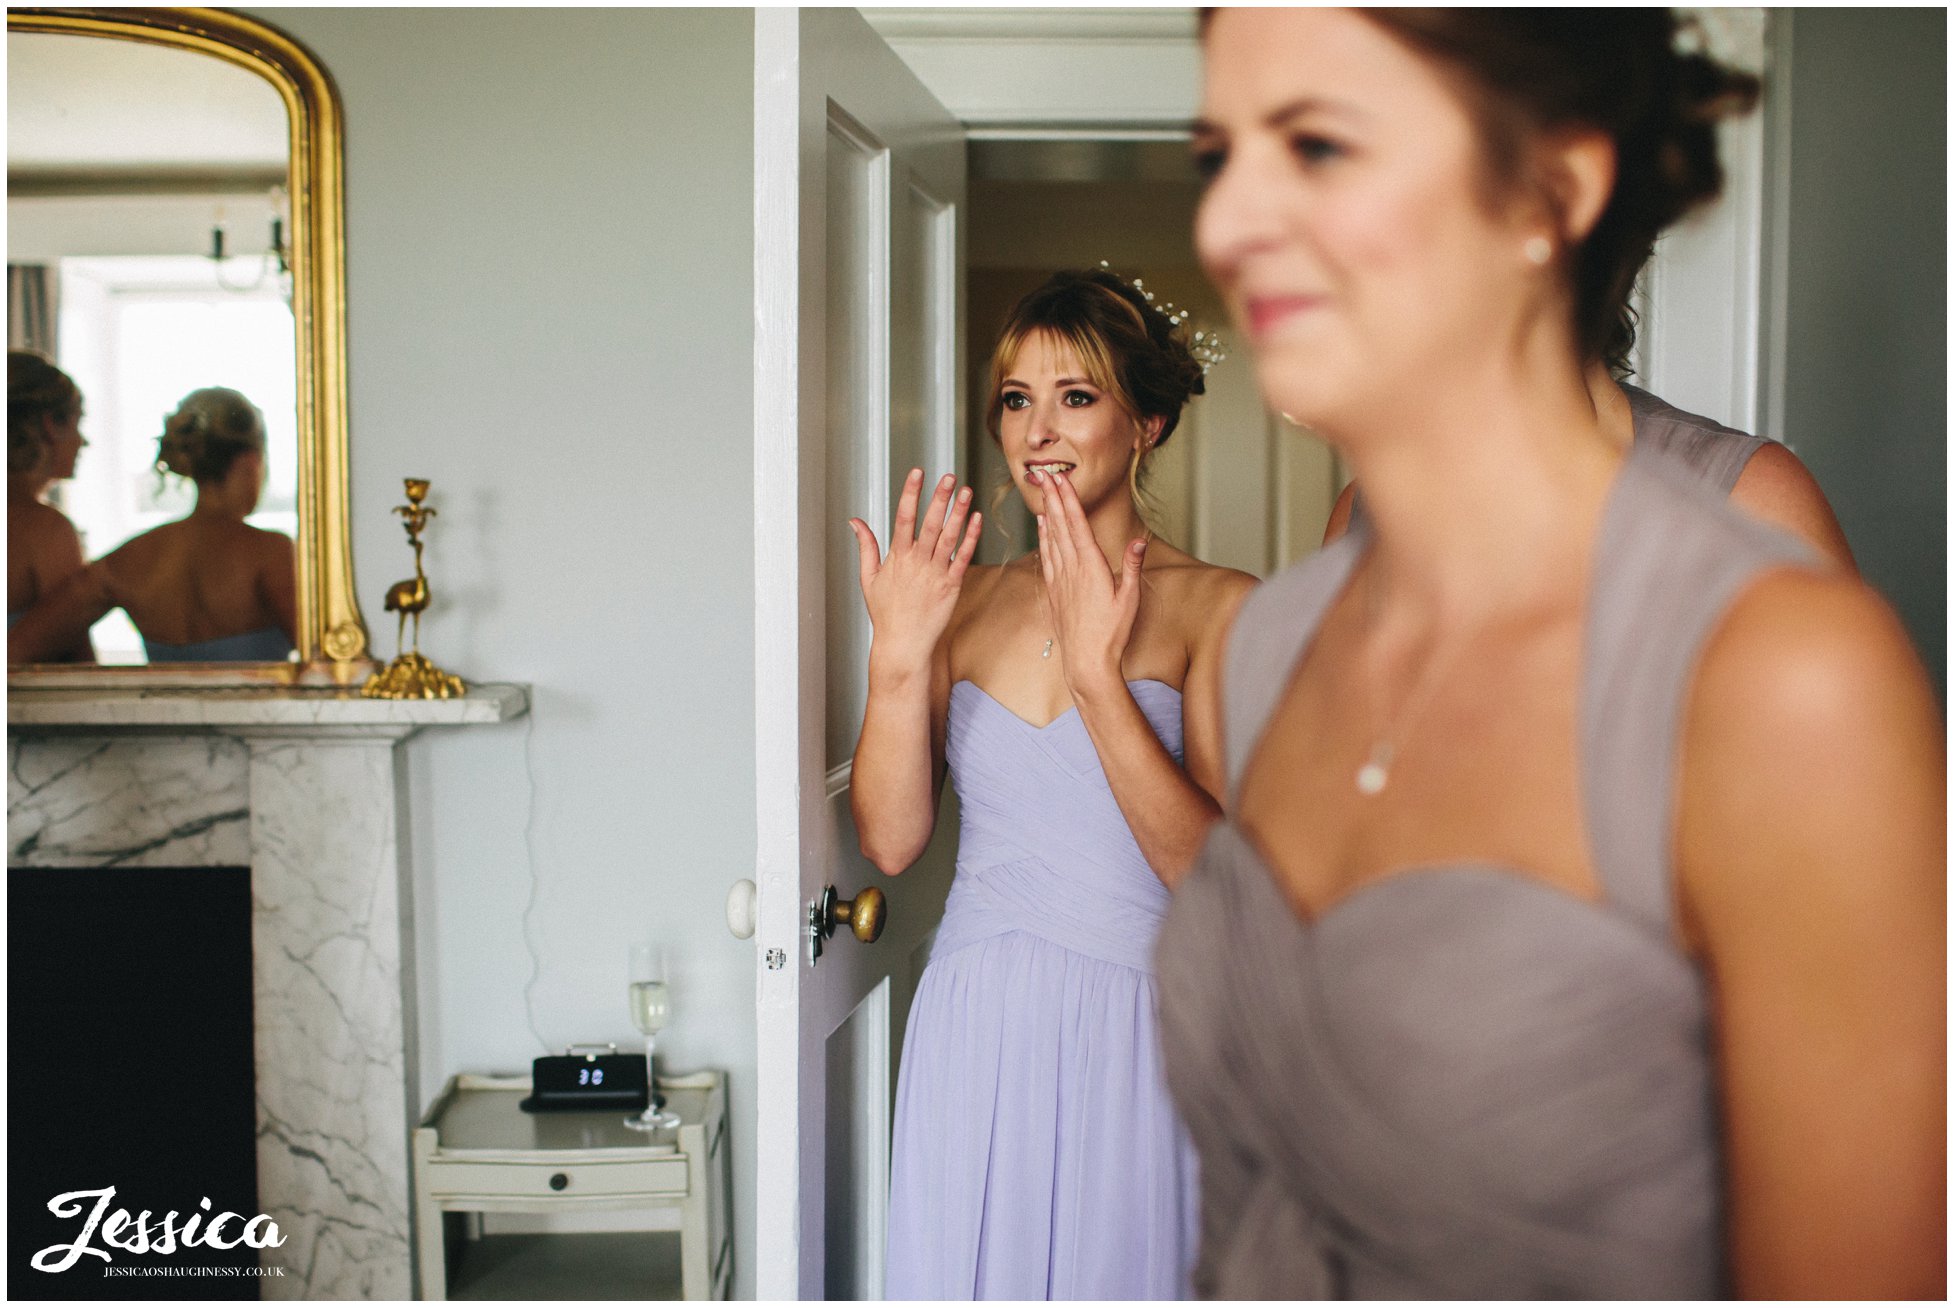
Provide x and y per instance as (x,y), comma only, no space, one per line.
(1236,485)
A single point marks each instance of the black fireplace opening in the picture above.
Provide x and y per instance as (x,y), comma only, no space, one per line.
(130,1069)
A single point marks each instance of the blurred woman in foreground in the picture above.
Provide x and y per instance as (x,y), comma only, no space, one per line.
(1577,926)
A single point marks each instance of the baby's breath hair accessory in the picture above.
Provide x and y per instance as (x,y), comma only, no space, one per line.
(1207,348)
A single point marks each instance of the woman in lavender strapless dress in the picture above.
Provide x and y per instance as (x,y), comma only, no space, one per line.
(1037,1155)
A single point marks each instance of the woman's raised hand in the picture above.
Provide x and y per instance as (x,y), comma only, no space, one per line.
(1093,608)
(912,593)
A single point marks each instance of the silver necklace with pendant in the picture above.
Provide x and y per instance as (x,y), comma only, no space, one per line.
(1039,563)
(1374,774)
(1047,651)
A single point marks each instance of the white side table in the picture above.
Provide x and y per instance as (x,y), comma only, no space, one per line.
(477,1152)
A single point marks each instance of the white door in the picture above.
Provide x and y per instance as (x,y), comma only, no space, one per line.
(858,200)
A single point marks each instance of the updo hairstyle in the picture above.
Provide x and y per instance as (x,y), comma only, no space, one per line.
(1129,349)
(1619,71)
(207,433)
(36,391)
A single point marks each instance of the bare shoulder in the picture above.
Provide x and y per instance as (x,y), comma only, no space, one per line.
(1776,487)
(1775,473)
(1203,596)
(41,526)
(1804,648)
(44,537)
(139,549)
(272,546)
(1813,753)
(981,584)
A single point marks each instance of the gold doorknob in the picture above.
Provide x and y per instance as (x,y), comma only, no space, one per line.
(865,914)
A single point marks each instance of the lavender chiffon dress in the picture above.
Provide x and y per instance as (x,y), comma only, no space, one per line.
(1037,1154)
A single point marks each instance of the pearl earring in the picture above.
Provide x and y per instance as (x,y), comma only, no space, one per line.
(1538,250)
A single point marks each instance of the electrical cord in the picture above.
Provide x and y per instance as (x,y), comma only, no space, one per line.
(529,849)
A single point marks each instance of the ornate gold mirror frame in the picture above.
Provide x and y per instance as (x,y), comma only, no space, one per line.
(332,639)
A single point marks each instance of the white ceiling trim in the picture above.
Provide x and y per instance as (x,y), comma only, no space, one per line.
(1063,71)
(949,23)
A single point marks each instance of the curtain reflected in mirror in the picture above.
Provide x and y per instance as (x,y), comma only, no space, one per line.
(153,445)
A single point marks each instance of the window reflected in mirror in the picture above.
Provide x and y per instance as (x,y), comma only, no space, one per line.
(148,251)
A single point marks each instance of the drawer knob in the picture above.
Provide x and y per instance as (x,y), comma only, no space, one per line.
(559,1181)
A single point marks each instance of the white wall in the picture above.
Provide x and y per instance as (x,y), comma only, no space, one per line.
(549,246)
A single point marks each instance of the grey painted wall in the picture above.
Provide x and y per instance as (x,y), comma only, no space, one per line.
(549,245)
(1866,297)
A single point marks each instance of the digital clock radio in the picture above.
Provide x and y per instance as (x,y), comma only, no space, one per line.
(584,1078)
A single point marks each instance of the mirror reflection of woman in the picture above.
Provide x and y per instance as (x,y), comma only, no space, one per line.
(43,440)
(1577,927)
(1036,1155)
(209,587)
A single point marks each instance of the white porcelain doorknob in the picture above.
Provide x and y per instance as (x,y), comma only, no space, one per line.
(739,909)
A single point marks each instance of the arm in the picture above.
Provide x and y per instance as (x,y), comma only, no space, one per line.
(1171,810)
(1775,487)
(1812,867)
(1201,703)
(912,595)
(1339,521)
(1168,812)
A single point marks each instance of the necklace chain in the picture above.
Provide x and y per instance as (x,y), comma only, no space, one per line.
(1374,774)
(1038,560)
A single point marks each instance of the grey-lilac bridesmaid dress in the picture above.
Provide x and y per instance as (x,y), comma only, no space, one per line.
(1458,1081)
(1037,1154)
(1713,454)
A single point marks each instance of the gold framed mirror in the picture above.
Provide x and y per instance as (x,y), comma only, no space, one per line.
(329,634)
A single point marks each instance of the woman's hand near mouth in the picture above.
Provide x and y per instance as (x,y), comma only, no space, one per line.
(1093,608)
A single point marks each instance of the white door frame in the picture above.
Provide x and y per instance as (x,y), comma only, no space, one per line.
(779,357)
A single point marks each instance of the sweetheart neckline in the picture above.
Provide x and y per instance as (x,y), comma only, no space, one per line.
(1437,871)
(1070,711)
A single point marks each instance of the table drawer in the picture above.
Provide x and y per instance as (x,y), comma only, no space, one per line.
(546,1180)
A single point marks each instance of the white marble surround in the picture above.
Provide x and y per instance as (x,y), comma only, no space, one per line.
(305,787)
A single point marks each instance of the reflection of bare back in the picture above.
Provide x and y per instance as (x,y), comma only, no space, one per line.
(42,552)
(202,579)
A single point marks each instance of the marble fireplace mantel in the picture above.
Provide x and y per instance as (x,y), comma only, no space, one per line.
(307,788)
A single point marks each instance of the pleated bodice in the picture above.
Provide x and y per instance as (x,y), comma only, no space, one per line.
(1044,847)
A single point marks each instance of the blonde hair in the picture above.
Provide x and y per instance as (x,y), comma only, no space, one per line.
(1131,351)
(207,433)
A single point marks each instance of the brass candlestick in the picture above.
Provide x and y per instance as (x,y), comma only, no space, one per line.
(410,676)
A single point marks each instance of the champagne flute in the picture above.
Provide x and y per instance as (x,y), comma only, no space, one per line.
(650,1006)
